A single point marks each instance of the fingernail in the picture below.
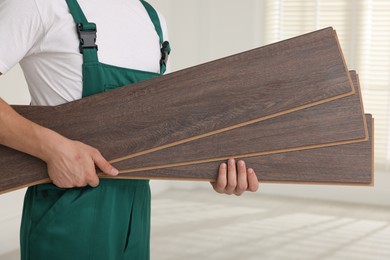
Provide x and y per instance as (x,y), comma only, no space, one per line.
(240,163)
(231,161)
(223,165)
(114,171)
(250,171)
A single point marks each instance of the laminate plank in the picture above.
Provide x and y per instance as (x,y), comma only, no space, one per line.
(348,164)
(193,103)
(336,122)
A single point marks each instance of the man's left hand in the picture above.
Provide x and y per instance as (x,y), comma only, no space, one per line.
(235,178)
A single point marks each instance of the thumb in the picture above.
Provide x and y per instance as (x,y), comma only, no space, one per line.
(103,165)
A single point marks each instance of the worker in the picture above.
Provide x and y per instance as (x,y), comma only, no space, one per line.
(68,50)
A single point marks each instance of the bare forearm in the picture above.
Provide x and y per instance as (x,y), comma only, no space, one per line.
(23,135)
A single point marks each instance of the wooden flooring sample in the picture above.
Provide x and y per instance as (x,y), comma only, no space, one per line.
(348,164)
(335,122)
(231,92)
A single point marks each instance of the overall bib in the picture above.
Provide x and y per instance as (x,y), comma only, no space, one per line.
(111,221)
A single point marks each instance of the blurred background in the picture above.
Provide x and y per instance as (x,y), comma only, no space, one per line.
(280,221)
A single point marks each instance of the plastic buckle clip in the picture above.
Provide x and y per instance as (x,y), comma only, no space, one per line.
(164,53)
(87,38)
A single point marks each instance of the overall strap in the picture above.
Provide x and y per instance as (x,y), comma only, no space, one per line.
(165,47)
(86,32)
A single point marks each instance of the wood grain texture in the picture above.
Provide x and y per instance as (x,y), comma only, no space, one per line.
(192,103)
(331,123)
(348,164)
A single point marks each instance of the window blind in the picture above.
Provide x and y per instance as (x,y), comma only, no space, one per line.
(363,30)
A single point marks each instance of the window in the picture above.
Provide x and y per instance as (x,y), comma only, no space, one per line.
(363,30)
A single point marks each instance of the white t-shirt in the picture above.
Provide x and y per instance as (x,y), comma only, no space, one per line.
(41,35)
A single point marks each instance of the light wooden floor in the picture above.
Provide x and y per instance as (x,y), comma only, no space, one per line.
(204,225)
(189,224)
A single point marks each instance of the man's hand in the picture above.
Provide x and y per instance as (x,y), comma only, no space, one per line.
(73,165)
(70,163)
(235,179)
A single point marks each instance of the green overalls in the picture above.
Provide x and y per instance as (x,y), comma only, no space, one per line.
(111,221)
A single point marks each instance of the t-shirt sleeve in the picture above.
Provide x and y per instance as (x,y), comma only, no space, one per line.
(20,30)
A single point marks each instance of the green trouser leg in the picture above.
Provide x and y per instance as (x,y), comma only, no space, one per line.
(90,223)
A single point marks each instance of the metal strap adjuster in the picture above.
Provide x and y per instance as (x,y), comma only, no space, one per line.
(165,50)
(87,38)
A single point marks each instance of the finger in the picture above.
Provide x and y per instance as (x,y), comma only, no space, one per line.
(232,177)
(93,179)
(253,182)
(242,180)
(81,179)
(94,183)
(220,185)
(103,165)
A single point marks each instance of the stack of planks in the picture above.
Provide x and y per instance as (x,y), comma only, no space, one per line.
(291,109)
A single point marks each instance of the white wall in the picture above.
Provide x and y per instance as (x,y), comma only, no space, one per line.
(200,30)
(13,89)
(204,30)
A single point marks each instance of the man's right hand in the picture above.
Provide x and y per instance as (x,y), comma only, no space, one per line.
(70,163)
